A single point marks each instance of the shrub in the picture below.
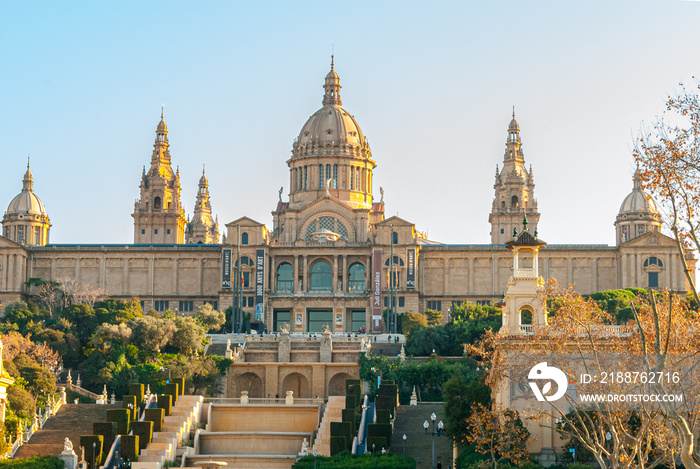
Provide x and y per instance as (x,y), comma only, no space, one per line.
(172,389)
(130,447)
(37,462)
(157,416)
(136,389)
(87,441)
(379,442)
(350,402)
(121,417)
(180,385)
(165,402)
(383,416)
(349,461)
(380,430)
(108,430)
(343,429)
(129,402)
(338,444)
(144,430)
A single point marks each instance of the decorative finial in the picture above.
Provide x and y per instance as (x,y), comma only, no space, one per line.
(515,233)
(162,107)
(332,62)
(29,157)
(535,233)
(525,223)
(513,111)
(203,168)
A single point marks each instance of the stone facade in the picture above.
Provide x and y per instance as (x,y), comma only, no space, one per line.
(316,262)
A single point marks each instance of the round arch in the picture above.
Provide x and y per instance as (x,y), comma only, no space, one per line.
(336,385)
(340,218)
(297,383)
(250,382)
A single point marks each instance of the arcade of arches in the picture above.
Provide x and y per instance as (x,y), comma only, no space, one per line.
(262,380)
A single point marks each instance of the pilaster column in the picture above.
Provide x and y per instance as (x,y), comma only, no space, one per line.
(334,284)
(295,286)
(345,272)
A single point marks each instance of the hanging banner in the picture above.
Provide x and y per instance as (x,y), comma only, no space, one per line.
(259,283)
(376,290)
(226,269)
(411,269)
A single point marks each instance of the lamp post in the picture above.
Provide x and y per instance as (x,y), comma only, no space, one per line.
(439,432)
(94,446)
(315,454)
(404,444)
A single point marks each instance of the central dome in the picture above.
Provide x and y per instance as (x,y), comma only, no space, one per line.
(637,201)
(331,125)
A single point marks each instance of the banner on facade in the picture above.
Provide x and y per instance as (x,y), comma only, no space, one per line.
(376,290)
(411,269)
(259,283)
(226,269)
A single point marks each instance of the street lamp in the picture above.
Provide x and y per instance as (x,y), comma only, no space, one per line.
(404,444)
(439,432)
(315,454)
(94,446)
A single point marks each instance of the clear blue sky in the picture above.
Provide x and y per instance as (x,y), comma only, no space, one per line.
(430,83)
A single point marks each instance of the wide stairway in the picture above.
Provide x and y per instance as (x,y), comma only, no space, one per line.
(409,421)
(254,436)
(71,421)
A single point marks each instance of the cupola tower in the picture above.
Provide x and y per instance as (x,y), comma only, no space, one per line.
(158,214)
(202,228)
(26,220)
(514,187)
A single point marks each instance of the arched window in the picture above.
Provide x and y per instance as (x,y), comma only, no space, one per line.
(514,202)
(397,262)
(525,316)
(156,203)
(653,261)
(247,265)
(503,204)
(395,237)
(321,276)
(244,238)
(356,277)
(285,277)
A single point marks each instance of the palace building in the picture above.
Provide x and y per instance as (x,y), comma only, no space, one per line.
(330,250)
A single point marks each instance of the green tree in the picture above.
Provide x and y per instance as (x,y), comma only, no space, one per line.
(460,394)
(433,317)
(151,333)
(500,434)
(211,319)
(21,402)
(189,336)
(410,321)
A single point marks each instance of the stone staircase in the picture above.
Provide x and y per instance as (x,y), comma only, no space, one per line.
(409,421)
(177,426)
(71,421)
(333,413)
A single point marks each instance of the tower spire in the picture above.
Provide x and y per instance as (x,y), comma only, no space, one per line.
(332,87)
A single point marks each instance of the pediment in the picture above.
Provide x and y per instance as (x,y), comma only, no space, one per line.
(8,243)
(326,203)
(243,221)
(650,238)
(396,221)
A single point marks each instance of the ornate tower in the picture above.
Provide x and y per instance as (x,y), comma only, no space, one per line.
(158,214)
(638,214)
(331,155)
(26,220)
(524,297)
(202,228)
(514,187)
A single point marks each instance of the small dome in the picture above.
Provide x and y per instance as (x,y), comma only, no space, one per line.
(26,202)
(162,128)
(513,126)
(637,201)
